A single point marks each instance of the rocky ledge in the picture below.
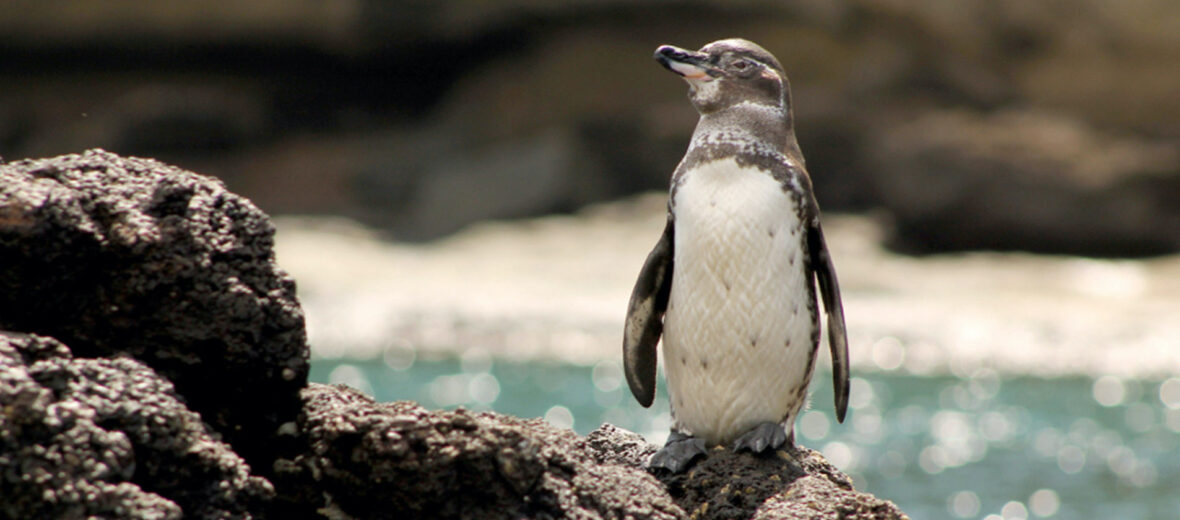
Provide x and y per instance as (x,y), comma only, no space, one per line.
(153,364)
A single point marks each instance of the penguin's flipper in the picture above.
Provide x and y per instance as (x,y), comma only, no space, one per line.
(829,288)
(645,318)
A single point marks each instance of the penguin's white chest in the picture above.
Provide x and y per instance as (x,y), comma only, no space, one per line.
(739,329)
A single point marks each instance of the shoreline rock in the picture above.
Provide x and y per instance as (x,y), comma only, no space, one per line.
(126,256)
(109,437)
(510,468)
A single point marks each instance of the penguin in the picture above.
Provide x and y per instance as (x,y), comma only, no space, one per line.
(730,285)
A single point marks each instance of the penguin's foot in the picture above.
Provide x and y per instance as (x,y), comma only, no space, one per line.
(765,436)
(678,452)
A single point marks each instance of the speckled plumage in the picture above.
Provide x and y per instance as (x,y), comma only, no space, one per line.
(740,318)
(731,284)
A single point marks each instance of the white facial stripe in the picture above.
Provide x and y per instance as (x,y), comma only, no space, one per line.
(774,76)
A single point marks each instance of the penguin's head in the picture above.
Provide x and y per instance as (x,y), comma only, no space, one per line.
(727,73)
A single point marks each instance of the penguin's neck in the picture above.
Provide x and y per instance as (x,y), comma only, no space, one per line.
(765,127)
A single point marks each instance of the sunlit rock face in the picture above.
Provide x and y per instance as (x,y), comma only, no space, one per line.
(454,464)
(125,256)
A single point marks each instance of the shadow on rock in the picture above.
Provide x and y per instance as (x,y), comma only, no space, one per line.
(108,438)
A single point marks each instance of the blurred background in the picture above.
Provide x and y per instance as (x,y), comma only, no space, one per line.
(465,191)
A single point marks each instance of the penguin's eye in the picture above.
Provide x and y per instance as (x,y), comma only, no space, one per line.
(743,68)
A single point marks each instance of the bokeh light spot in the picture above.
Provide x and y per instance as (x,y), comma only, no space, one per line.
(1014,511)
(560,417)
(964,504)
(1071,459)
(1044,502)
(814,424)
(1170,393)
(352,376)
(483,388)
(1109,391)
(607,376)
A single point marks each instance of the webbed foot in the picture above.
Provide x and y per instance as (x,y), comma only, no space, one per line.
(678,452)
(765,436)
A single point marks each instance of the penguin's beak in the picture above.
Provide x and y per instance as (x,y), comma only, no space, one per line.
(691,65)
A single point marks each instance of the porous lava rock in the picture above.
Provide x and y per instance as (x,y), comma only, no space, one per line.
(87,438)
(125,256)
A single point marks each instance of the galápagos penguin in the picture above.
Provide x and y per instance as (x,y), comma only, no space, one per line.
(731,284)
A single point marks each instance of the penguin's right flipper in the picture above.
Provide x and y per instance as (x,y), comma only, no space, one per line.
(645,318)
(825,274)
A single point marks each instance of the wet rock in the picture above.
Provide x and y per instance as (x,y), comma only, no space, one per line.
(1026,180)
(815,498)
(108,438)
(124,256)
(390,460)
(796,483)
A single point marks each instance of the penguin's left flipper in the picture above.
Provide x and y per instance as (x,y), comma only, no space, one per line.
(829,288)
(765,436)
(678,452)
(645,318)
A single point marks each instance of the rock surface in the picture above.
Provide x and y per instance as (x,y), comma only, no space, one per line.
(108,438)
(796,483)
(115,255)
(390,460)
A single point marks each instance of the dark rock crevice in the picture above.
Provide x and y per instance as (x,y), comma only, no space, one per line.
(109,437)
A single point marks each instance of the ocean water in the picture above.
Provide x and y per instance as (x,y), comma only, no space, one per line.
(978,445)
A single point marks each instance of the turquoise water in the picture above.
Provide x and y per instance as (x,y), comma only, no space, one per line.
(978,446)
